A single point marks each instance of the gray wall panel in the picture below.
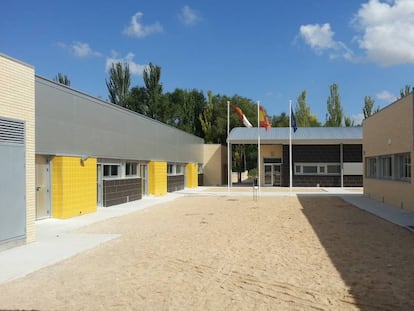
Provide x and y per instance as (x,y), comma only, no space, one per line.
(72,123)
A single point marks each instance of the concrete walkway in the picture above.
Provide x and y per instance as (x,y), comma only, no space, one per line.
(56,239)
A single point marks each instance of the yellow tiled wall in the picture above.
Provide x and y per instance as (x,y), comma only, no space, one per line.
(192,175)
(73,186)
(17,101)
(157,178)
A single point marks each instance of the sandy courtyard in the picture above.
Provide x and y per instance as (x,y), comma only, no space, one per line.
(231,253)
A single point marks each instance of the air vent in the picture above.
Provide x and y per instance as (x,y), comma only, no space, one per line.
(11,132)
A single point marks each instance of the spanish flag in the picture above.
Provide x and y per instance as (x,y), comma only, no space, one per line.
(263,120)
(242,117)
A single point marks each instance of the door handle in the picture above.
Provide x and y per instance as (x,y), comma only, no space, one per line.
(38,188)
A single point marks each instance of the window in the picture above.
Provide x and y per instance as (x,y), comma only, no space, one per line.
(403,167)
(170,169)
(334,169)
(317,169)
(111,170)
(371,167)
(179,169)
(131,169)
(310,169)
(386,166)
(175,169)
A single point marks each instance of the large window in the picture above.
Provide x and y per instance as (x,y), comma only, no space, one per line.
(371,169)
(175,169)
(318,169)
(403,167)
(111,170)
(131,169)
(386,166)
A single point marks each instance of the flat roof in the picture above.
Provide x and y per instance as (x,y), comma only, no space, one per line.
(303,135)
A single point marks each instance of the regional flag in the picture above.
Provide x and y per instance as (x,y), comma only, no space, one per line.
(293,121)
(263,120)
(242,117)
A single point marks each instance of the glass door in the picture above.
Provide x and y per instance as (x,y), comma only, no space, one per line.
(268,175)
(276,174)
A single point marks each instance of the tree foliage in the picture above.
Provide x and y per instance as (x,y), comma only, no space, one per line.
(62,79)
(152,78)
(335,113)
(368,107)
(118,84)
(405,91)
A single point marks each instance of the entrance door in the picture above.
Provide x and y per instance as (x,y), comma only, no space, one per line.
(276,169)
(43,206)
(268,175)
(12,180)
(144,178)
(99,185)
(272,174)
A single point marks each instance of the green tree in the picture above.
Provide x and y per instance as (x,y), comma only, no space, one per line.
(206,119)
(368,106)
(302,111)
(119,83)
(62,79)
(349,122)
(281,120)
(335,113)
(138,100)
(405,91)
(152,77)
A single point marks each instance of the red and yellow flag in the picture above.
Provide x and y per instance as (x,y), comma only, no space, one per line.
(263,120)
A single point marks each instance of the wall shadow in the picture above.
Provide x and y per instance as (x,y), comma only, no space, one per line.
(375,258)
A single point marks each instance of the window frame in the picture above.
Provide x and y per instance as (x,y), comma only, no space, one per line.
(320,169)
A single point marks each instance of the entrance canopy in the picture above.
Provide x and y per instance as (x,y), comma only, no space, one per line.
(303,136)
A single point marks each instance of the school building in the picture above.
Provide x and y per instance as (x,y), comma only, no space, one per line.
(321,156)
(65,153)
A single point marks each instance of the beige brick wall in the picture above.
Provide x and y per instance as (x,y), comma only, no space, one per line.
(215,165)
(17,101)
(390,132)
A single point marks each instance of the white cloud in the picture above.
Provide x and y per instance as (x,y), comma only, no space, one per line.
(386,96)
(79,49)
(388,31)
(188,16)
(136,29)
(320,38)
(134,68)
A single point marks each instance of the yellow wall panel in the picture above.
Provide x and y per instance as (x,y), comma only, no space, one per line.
(157,178)
(192,175)
(73,186)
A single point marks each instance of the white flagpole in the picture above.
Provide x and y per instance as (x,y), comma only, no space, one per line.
(228,148)
(290,144)
(258,146)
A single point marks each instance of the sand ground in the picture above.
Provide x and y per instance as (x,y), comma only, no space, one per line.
(231,253)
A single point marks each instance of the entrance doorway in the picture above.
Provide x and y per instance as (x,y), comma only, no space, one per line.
(99,185)
(43,206)
(144,178)
(272,174)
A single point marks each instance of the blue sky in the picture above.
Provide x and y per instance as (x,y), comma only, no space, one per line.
(268,51)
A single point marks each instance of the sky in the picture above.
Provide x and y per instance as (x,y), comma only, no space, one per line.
(267,51)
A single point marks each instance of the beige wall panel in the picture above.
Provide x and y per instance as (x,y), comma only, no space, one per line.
(391,130)
(397,194)
(17,101)
(215,158)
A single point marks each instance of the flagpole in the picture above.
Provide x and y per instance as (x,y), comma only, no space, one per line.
(258,146)
(290,144)
(228,148)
